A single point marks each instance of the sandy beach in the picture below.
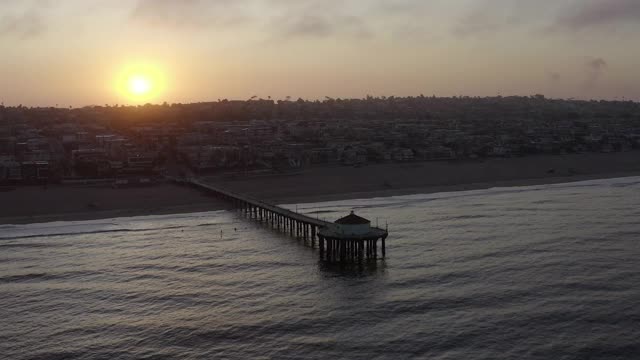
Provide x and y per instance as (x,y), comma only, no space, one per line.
(35,204)
(58,203)
(343,182)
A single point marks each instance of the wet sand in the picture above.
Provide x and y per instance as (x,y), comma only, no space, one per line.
(58,203)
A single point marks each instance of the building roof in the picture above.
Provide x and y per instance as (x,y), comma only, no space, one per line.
(352,219)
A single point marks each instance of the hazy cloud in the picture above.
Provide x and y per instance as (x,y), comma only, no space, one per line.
(401,7)
(310,25)
(308,18)
(487,16)
(25,25)
(597,64)
(187,13)
(497,15)
(318,18)
(595,69)
(554,76)
(594,13)
(22,19)
(321,26)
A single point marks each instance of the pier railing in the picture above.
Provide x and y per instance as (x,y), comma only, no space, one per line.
(333,243)
(261,204)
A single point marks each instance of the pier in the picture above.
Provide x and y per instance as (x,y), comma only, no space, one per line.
(351,238)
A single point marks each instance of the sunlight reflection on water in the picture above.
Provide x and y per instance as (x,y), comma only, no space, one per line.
(535,272)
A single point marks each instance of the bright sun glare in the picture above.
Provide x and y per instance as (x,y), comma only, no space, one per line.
(140,85)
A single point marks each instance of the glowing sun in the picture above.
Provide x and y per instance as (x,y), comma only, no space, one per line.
(140,85)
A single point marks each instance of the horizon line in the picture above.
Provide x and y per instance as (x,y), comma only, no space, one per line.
(321,100)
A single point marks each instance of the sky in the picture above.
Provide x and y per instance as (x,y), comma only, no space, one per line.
(82,52)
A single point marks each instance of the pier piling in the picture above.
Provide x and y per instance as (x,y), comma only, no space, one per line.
(334,244)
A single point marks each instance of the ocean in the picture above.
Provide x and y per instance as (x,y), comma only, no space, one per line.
(538,272)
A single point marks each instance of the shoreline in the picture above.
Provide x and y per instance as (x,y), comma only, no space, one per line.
(394,179)
(454,188)
(76,203)
(217,206)
(35,204)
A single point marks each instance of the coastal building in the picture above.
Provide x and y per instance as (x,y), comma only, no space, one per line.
(353,224)
(351,237)
(35,171)
(141,162)
(260,135)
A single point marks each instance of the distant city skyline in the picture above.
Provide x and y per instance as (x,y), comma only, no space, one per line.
(77,53)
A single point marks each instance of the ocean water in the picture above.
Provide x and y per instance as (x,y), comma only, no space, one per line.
(542,272)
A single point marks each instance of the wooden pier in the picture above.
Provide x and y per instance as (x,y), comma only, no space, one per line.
(333,242)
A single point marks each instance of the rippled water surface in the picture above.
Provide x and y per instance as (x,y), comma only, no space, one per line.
(544,272)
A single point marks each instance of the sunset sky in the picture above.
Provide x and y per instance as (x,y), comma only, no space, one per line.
(81,52)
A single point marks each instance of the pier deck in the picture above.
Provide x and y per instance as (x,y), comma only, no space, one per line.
(333,245)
